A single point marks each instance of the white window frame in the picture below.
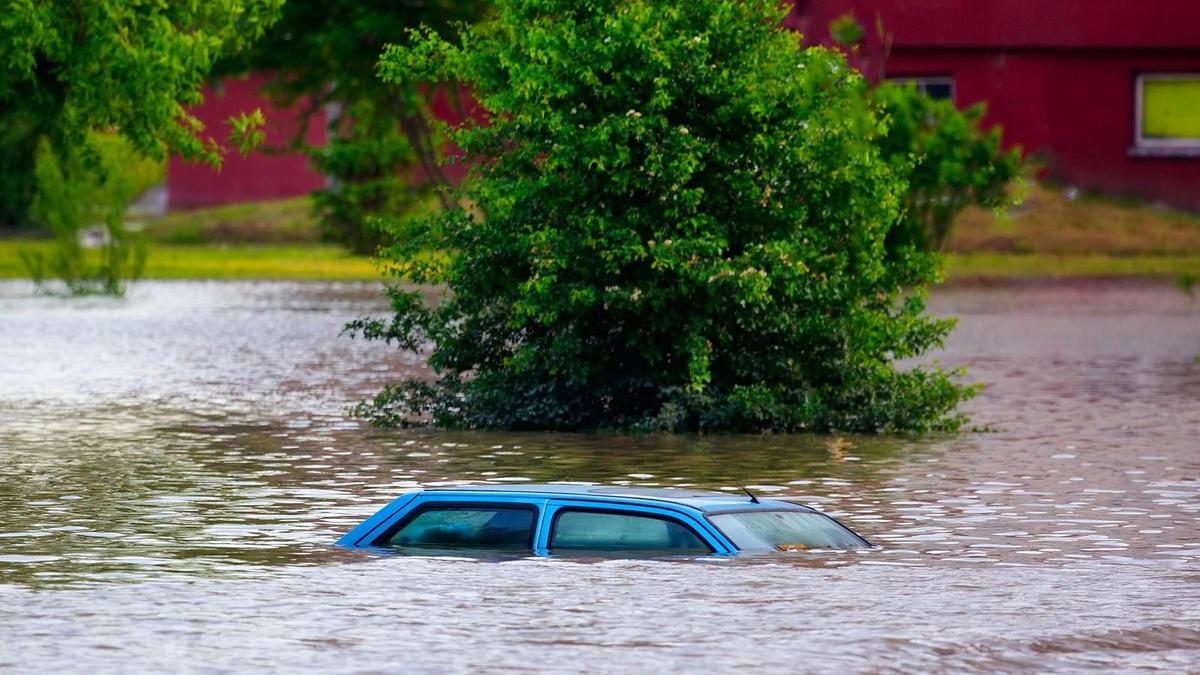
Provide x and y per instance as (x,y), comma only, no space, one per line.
(1159,146)
(923,81)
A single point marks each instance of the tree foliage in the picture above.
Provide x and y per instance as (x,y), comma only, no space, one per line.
(845,30)
(325,52)
(948,160)
(68,68)
(677,222)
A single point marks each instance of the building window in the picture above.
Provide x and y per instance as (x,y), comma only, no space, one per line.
(1168,114)
(933,87)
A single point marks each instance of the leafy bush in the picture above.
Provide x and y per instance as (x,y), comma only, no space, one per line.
(82,190)
(677,223)
(947,159)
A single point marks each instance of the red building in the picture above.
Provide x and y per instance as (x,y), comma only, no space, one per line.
(271,172)
(1105,92)
(260,175)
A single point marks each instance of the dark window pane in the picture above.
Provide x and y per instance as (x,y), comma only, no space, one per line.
(468,527)
(934,87)
(938,90)
(595,531)
(785,530)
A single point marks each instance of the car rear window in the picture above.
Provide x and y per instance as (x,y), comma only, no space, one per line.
(785,530)
(484,527)
(579,530)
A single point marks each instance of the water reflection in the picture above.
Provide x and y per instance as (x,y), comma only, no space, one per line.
(193,438)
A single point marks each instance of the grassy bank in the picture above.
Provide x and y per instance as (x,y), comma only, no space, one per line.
(259,261)
(255,240)
(1054,222)
(964,266)
(1053,234)
(285,221)
(325,262)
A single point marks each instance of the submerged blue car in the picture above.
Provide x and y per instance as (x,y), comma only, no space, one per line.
(585,520)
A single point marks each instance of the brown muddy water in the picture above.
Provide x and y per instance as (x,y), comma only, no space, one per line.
(175,465)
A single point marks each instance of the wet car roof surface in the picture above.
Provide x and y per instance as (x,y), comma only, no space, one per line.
(697,499)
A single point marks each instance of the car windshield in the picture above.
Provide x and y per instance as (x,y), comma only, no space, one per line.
(785,530)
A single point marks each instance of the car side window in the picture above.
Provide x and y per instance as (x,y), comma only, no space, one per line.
(490,527)
(583,530)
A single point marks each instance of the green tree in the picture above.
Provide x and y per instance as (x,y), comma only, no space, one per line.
(677,223)
(71,72)
(69,68)
(325,52)
(948,159)
(18,146)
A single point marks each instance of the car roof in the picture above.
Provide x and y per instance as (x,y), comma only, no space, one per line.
(702,500)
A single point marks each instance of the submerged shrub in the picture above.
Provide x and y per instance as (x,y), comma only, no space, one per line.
(88,192)
(676,222)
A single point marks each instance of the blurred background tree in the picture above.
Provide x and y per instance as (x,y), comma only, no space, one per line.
(325,53)
(69,198)
(948,158)
(72,71)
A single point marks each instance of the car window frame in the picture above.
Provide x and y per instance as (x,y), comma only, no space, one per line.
(560,509)
(384,538)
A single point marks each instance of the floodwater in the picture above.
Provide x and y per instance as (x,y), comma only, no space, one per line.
(175,465)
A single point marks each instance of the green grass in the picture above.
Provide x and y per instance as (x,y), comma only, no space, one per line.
(1050,236)
(324,262)
(277,222)
(1049,223)
(964,266)
(265,261)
